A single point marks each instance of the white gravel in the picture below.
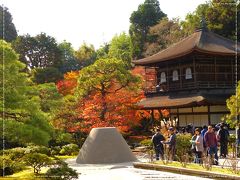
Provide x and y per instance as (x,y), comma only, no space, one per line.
(123,171)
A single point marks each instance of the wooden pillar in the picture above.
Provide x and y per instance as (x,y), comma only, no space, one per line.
(167,74)
(215,70)
(232,68)
(152,118)
(178,118)
(209,117)
(195,73)
(180,73)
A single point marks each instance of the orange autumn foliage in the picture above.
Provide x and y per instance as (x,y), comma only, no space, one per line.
(121,111)
(68,85)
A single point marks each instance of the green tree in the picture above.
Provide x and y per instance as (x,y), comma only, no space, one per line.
(162,35)
(103,51)
(99,76)
(40,51)
(70,62)
(50,99)
(86,54)
(105,76)
(220,16)
(23,120)
(46,75)
(120,48)
(233,104)
(8,31)
(147,15)
(61,172)
(37,161)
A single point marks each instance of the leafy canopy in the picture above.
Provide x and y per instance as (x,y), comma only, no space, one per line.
(233,104)
(220,16)
(147,15)
(107,93)
(102,74)
(21,112)
(8,31)
(120,48)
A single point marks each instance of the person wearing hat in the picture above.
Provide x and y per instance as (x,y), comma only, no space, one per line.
(171,143)
(157,143)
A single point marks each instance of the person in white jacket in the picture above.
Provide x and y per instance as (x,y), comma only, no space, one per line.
(199,145)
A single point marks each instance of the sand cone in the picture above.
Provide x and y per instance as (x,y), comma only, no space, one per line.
(105,146)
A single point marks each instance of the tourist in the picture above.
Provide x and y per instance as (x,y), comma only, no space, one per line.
(204,130)
(199,145)
(193,147)
(171,143)
(211,143)
(223,136)
(190,129)
(157,143)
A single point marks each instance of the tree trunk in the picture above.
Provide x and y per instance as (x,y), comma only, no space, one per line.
(104,104)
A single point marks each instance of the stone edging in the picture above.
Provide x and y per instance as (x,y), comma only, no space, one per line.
(180,170)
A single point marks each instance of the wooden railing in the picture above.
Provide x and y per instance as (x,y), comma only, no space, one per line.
(189,86)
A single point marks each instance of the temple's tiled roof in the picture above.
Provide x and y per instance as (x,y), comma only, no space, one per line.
(177,101)
(202,41)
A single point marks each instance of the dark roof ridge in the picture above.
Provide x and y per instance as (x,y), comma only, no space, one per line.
(201,40)
(222,37)
(174,44)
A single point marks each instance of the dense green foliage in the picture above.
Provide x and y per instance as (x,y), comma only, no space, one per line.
(62,171)
(37,161)
(9,165)
(120,48)
(147,15)
(183,144)
(233,104)
(40,51)
(102,52)
(70,62)
(86,55)
(46,75)
(8,31)
(99,76)
(162,35)
(22,119)
(70,149)
(220,16)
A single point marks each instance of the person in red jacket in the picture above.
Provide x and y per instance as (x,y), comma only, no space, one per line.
(211,143)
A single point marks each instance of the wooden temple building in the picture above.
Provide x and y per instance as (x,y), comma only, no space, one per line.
(192,78)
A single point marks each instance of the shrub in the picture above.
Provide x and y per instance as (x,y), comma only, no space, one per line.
(37,161)
(55,150)
(9,166)
(64,138)
(37,149)
(146,142)
(183,144)
(6,165)
(232,138)
(61,172)
(70,149)
(15,153)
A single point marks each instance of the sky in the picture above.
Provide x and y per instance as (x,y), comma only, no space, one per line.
(91,21)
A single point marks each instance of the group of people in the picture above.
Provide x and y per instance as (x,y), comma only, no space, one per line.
(159,140)
(204,141)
